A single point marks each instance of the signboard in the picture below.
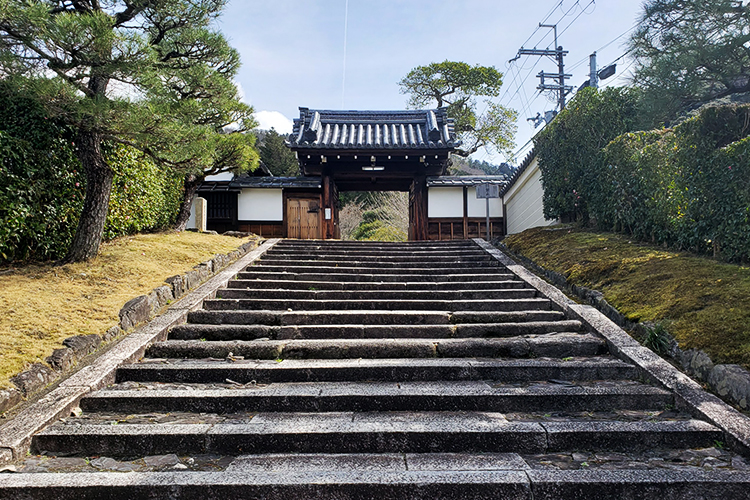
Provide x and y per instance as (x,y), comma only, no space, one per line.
(488,191)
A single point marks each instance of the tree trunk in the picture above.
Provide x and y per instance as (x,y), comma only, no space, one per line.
(99,176)
(190,184)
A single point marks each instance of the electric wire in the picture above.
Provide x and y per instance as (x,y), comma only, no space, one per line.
(346,28)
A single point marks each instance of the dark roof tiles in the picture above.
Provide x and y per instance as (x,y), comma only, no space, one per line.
(396,130)
(277,182)
(466,180)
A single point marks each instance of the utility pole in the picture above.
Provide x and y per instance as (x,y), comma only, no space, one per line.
(593,76)
(560,77)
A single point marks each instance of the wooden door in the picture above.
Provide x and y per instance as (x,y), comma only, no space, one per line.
(303,218)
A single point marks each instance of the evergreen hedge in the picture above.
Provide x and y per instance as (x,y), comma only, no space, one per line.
(42,186)
(687,187)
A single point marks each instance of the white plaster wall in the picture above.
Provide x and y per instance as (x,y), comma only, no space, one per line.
(258,204)
(224,176)
(478,207)
(523,201)
(445,202)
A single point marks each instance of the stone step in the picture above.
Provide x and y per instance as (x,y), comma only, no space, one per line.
(339,370)
(378,254)
(559,345)
(193,331)
(384,269)
(255,273)
(306,246)
(351,482)
(372,432)
(381,396)
(504,293)
(287,318)
(377,304)
(376,257)
(362,285)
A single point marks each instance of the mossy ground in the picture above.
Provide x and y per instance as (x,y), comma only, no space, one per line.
(705,304)
(42,304)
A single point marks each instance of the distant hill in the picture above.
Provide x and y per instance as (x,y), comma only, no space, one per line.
(467,166)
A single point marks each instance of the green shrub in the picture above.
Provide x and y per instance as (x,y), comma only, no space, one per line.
(569,150)
(688,187)
(41,195)
(144,196)
(42,186)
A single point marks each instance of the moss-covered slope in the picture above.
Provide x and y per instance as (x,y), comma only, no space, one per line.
(706,304)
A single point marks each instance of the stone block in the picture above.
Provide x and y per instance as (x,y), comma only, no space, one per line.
(732,382)
(61,359)
(697,363)
(236,234)
(192,280)
(8,399)
(203,271)
(159,297)
(178,285)
(134,312)
(201,213)
(34,378)
(111,334)
(83,345)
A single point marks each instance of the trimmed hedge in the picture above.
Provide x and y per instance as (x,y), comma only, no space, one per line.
(569,149)
(42,185)
(144,195)
(686,187)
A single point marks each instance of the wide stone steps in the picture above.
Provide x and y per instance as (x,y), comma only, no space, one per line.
(343,370)
(377,257)
(383,396)
(424,263)
(523,304)
(377,432)
(558,345)
(504,293)
(353,268)
(418,286)
(346,481)
(403,318)
(356,276)
(193,331)
(241,371)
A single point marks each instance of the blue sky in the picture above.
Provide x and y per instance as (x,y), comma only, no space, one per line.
(293,50)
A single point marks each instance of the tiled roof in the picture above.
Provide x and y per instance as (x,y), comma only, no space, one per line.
(373,130)
(520,170)
(466,180)
(277,182)
(215,187)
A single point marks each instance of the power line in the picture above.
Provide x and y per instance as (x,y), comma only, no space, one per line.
(586,59)
(343,77)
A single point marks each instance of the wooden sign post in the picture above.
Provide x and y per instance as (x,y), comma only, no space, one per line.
(488,191)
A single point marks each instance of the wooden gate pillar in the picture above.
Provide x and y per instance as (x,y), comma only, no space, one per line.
(418,209)
(330,208)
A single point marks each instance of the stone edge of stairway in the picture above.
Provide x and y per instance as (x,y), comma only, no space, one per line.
(16,433)
(689,395)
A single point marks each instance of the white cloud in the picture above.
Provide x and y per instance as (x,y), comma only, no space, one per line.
(273,119)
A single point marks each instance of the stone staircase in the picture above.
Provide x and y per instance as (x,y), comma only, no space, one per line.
(396,370)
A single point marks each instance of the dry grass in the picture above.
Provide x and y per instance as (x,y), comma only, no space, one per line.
(705,304)
(41,305)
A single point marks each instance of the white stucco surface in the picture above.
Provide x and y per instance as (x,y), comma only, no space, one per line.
(523,201)
(260,205)
(478,207)
(445,202)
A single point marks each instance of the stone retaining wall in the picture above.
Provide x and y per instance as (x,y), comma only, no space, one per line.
(730,382)
(135,312)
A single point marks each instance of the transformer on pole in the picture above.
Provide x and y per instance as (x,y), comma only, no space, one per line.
(560,77)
